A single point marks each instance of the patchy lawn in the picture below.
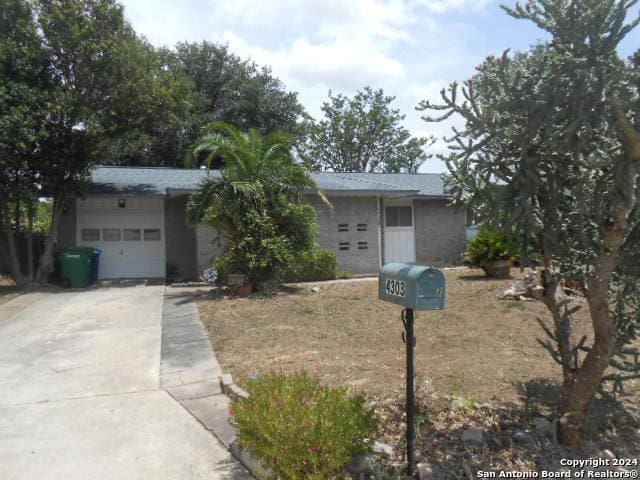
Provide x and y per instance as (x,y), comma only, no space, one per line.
(479,345)
(478,364)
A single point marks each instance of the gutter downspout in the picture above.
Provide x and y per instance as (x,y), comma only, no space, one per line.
(378,200)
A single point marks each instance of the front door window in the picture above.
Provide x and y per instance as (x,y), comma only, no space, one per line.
(398,216)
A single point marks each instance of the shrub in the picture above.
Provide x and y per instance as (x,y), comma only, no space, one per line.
(311,266)
(488,245)
(300,429)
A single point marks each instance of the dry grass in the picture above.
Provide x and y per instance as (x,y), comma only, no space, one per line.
(8,289)
(480,351)
(479,345)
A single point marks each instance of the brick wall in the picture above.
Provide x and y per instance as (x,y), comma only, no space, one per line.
(440,232)
(207,247)
(349,211)
(180,240)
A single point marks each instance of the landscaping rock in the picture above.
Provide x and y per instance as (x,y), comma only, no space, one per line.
(363,464)
(249,461)
(514,292)
(607,454)
(383,449)
(524,437)
(315,289)
(426,471)
(473,436)
(542,427)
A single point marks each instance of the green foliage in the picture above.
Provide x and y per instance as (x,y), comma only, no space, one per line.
(257,246)
(551,148)
(255,203)
(210,84)
(344,274)
(362,134)
(489,245)
(312,265)
(69,73)
(300,429)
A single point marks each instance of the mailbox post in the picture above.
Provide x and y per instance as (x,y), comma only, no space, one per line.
(416,288)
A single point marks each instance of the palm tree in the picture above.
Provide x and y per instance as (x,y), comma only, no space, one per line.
(255,206)
(251,161)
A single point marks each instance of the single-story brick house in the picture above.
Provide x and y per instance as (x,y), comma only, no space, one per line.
(136,216)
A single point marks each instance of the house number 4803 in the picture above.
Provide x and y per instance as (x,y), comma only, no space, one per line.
(395,287)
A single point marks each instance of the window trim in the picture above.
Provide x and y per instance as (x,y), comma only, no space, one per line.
(104,237)
(397,209)
(144,234)
(83,229)
(139,230)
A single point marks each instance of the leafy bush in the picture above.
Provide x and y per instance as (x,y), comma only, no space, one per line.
(312,265)
(300,429)
(264,233)
(344,274)
(488,245)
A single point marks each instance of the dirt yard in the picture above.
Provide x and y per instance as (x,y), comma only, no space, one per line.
(478,365)
(479,346)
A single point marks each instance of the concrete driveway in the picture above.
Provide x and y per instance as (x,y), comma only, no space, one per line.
(80,393)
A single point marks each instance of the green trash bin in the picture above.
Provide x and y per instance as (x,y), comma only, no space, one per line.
(75,265)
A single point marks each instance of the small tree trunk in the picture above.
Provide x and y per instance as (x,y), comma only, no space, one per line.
(580,393)
(10,243)
(45,266)
(31,212)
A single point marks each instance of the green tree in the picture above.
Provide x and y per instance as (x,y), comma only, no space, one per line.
(221,88)
(74,75)
(551,148)
(25,87)
(362,134)
(255,205)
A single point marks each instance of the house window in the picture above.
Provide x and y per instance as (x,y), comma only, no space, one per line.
(361,227)
(398,216)
(151,234)
(343,246)
(343,227)
(90,234)
(363,245)
(131,235)
(111,234)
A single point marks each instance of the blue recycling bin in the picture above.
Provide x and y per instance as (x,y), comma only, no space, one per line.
(95,265)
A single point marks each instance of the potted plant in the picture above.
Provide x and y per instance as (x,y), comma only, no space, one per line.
(491,251)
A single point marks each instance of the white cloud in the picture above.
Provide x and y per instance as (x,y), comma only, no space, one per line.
(441,6)
(410,48)
(340,64)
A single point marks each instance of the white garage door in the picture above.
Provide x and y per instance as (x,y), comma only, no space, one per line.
(130,233)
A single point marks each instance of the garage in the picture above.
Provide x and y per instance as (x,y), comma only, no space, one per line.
(128,230)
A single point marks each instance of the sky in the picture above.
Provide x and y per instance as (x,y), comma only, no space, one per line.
(409,48)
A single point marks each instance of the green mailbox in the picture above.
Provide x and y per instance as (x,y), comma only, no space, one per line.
(415,287)
(412,286)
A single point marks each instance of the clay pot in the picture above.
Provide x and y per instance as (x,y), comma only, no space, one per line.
(243,290)
(498,268)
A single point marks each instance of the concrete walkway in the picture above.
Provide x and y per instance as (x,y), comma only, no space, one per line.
(81,393)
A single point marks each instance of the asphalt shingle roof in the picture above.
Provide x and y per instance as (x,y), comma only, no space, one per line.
(157,181)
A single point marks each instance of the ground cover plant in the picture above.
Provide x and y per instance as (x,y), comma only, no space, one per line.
(301,429)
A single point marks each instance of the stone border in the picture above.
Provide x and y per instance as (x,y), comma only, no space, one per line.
(234,392)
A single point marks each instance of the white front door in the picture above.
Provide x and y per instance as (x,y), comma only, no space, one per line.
(130,233)
(399,232)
